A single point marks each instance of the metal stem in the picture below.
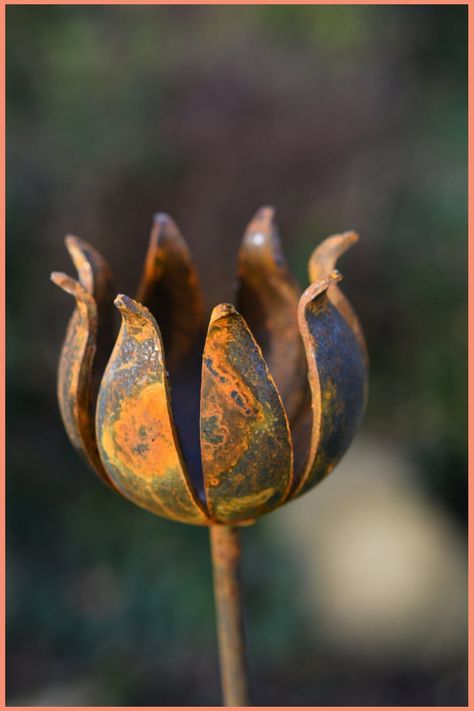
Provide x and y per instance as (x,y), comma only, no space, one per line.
(226,554)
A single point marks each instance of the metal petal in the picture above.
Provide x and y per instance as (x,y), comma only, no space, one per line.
(137,439)
(268,299)
(75,393)
(96,277)
(321,263)
(170,288)
(337,377)
(93,271)
(245,438)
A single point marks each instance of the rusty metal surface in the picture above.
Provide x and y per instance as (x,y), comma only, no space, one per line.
(321,263)
(245,438)
(226,557)
(96,277)
(84,352)
(213,445)
(135,429)
(170,289)
(337,376)
(268,300)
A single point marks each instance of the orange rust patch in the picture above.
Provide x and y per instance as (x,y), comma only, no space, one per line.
(142,434)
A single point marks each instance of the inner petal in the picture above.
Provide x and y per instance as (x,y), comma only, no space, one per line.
(170,289)
(268,299)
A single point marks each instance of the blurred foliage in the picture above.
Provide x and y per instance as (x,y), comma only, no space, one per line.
(343,117)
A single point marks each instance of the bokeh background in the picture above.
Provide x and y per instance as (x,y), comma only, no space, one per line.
(341,117)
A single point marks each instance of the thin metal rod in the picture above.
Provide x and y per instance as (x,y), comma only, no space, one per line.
(226,554)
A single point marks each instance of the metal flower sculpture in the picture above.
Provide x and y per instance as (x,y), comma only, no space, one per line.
(213,429)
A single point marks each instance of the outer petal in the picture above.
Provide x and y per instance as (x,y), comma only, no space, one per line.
(75,373)
(170,288)
(136,435)
(268,299)
(95,276)
(321,263)
(86,347)
(245,439)
(337,377)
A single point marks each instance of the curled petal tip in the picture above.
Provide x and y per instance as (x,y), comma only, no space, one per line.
(347,238)
(322,261)
(58,278)
(72,242)
(69,285)
(320,286)
(93,271)
(80,252)
(122,301)
(221,311)
(131,309)
(326,254)
(339,243)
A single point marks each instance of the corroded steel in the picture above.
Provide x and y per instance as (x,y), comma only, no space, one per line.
(321,263)
(336,374)
(137,439)
(85,352)
(170,288)
(220,449)
(245,437)
(226,555)
(95,276)
(268,300)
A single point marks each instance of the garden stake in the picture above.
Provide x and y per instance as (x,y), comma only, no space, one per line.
(226,554)
(236,422)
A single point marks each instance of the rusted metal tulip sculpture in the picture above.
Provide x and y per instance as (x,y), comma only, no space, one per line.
(213,429)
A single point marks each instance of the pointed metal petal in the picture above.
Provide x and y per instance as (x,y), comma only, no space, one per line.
(137,439)
(86,348)
(93,271)
(170,288)
(245,438)
(268,299)
(75,372)
(321,263)
(96,277)
(337,377)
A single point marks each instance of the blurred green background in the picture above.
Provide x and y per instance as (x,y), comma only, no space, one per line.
(343,117)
